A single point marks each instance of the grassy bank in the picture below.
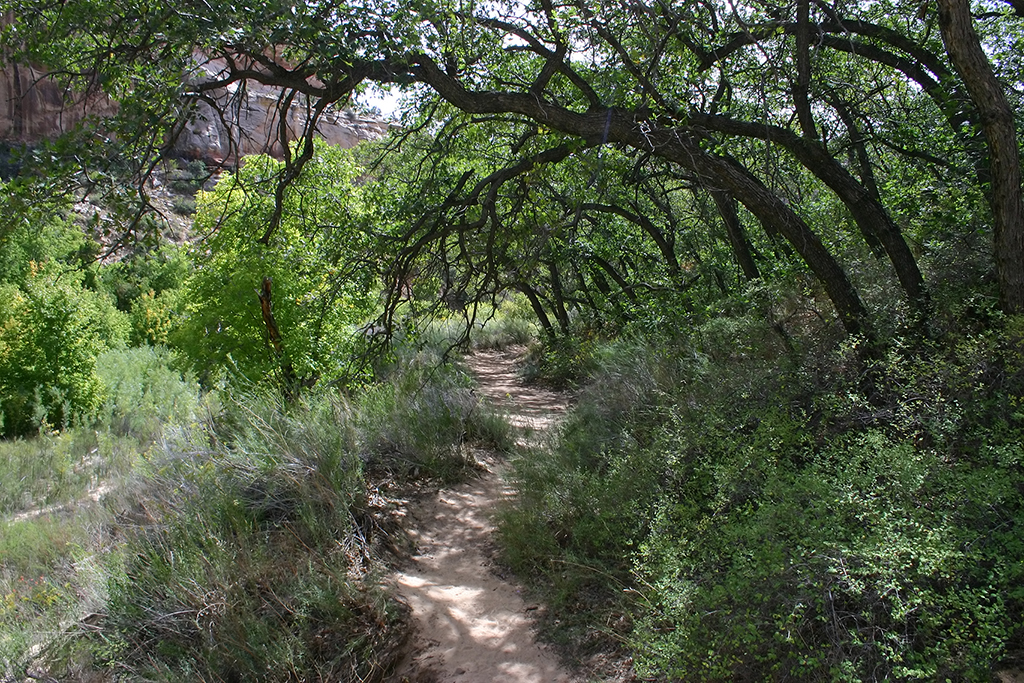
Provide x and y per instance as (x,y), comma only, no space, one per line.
(242,538)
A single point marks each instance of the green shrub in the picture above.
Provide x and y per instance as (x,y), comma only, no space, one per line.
(776,518)
(144,271)
(419,418)
(143,392)
(188,178)
(582,509)
(48,579)
(153,316)
(246,546)
(184,206)
(55,469)
(317,293)
(511,323)
(855,567)
(51,331)
(561,362)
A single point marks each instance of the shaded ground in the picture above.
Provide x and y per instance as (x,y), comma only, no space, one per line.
(531,409)
(471,624)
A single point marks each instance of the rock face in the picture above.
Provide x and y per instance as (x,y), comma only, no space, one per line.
(34,108)
(252,123)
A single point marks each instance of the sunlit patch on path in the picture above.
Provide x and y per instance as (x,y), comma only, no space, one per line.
(471,624)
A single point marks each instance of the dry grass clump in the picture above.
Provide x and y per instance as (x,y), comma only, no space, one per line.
(249,551)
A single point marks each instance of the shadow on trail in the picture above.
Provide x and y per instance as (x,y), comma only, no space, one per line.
(472,625)
(530,409)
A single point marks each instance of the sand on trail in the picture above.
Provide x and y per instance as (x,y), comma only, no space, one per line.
(471,624)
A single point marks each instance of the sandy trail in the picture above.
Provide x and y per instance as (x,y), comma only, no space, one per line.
(471,625)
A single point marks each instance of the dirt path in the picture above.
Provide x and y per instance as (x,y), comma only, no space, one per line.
(472,625)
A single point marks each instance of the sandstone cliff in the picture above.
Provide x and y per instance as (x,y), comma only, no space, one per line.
(34,108)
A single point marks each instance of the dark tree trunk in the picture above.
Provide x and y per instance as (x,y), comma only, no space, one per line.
(606,292)
(771,211)
(675,145)
(802,88)
(860,159)
(871,217)
(289,380)
(614,275)
(665,246)
(737,235)
(967,55)
(538,309)
(559,300)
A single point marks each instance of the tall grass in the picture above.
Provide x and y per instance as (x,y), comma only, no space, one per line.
(49,579)
(419,419)
(143,390)
(55,545)
(496,325)
(251,553)
(242,539)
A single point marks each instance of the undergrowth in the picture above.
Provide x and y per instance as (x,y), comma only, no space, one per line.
(790,516)
(244,538)
(249,554)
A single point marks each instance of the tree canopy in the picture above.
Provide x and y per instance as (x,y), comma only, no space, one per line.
(597,156)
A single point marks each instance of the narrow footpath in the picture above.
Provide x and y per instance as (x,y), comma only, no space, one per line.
(472,624)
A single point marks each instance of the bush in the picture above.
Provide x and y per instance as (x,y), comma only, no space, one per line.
(581,510)
(563,362)
(183,206)
(50,469)
(248,546)
(153,272)
(47,580)
(511,323)
(417,420)
(51,331)
(188,178)
(250,554)
(771,520)
(312,265)
(153,316)
(143,393)
(853,567)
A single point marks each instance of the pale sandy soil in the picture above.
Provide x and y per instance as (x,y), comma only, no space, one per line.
(471,624)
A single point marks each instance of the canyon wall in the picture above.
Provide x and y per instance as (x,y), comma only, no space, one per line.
(34,108)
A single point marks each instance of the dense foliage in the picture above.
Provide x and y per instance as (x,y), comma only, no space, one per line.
(779,247)
(316,294)
(718,142)
(761,518)
(53,325)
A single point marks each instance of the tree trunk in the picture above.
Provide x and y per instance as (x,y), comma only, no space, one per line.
(617,125)
(859,158)
(664,245)
(802,87)
(967,55)
(559,301)
(729,175)
(289,380)
(869,214)
(737,236)
(538,309)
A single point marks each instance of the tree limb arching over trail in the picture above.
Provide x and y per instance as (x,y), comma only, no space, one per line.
(769,105)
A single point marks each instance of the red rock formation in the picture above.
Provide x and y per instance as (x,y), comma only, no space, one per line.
(34,108)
